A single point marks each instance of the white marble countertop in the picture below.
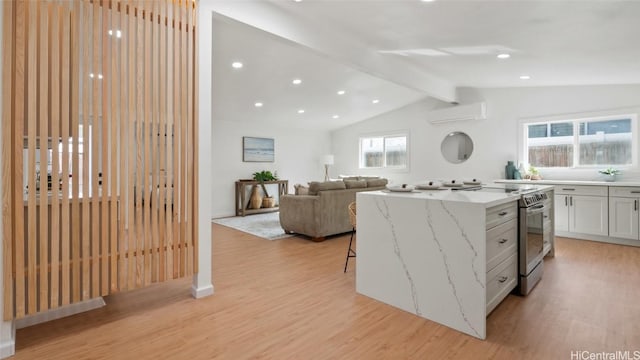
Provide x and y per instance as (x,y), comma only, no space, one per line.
(484,198)
(488,199)
(570,182)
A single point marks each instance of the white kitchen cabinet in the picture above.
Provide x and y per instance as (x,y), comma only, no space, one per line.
(561,212)
(582,209)
(624,214)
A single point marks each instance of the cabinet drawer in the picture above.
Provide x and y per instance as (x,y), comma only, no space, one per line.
(581,190)
(501,213)
(502,242)
(500,281)
(624,191)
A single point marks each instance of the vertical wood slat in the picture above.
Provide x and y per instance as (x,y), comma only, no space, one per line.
(65,119)
(132,233)
(146,140)
(155,132)
(77,15)
(171,91)
(139,170)
(54,39)
(82,244)
(86,115)
(18,135)
(125,184)
(93,160)
(8,183)
(105,131)
(116,119)
(32,133)
(176,144)
(183,140)
(162,168)
(43,113)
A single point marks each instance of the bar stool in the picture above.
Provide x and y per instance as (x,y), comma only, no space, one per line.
(352,219)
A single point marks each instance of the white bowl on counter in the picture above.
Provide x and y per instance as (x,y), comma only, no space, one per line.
(453,183)
(401,188)
(429,185)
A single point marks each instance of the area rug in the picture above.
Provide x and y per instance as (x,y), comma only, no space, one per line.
(266,226)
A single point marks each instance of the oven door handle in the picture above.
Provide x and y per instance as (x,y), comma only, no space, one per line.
(536,209)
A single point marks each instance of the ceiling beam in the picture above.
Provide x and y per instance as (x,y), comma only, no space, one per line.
(339,47)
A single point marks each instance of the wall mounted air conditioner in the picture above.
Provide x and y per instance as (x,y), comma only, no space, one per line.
(475,111)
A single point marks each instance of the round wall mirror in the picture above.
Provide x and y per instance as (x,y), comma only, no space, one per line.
(456,147)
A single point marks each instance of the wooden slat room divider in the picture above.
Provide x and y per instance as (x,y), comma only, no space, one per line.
(99,127)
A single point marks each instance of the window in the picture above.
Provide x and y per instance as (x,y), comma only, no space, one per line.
(383,152)
(581,142)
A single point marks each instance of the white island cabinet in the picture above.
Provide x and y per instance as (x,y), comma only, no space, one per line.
(447,256)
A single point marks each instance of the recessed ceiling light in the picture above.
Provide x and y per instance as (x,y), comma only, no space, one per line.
(341,92)
(427,0)
(503,56)
(258,104)
(525,77)
(100,76)
(375,101)
(237,65)
(296,82)
(297,0)
(301,111)
(91,75)
(335,116)
(118,34)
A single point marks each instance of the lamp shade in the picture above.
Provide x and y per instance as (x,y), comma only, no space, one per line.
(327,160)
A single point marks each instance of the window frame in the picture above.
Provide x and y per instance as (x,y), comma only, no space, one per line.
(384,136)
(576,119)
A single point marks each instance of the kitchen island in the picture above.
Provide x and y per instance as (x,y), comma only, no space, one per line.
(447,256)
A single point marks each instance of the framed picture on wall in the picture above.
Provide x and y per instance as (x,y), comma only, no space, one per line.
(255,149)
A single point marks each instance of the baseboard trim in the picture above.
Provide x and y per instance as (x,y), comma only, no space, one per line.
(7,348)
(60,312)
(199,293)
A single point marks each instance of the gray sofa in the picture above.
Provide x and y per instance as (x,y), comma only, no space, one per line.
(323,211)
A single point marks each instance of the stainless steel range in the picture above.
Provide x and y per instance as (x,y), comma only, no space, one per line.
(534,231)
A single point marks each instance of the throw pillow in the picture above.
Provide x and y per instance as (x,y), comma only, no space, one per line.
(355,184)
(301,189)
(315,187)
(376,182)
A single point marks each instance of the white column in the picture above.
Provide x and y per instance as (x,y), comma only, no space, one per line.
(202,284)
(7,328)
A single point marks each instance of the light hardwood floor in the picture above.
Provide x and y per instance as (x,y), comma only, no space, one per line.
(289,299)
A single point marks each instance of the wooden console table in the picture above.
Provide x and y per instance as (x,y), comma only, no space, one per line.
(241,196)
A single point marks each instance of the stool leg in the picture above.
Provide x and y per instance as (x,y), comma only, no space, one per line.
(350,251)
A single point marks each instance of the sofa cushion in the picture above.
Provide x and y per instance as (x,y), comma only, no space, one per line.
(315,187)
(301,189)
(376,182)
(355,184)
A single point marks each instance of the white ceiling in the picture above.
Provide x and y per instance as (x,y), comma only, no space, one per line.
(356,44)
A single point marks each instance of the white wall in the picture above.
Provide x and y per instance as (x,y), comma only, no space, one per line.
(298,156)
(495,139)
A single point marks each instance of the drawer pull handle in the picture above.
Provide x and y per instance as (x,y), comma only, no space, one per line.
(502,279)
(503,213)
(502,241)
(635,192)
(568,189)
